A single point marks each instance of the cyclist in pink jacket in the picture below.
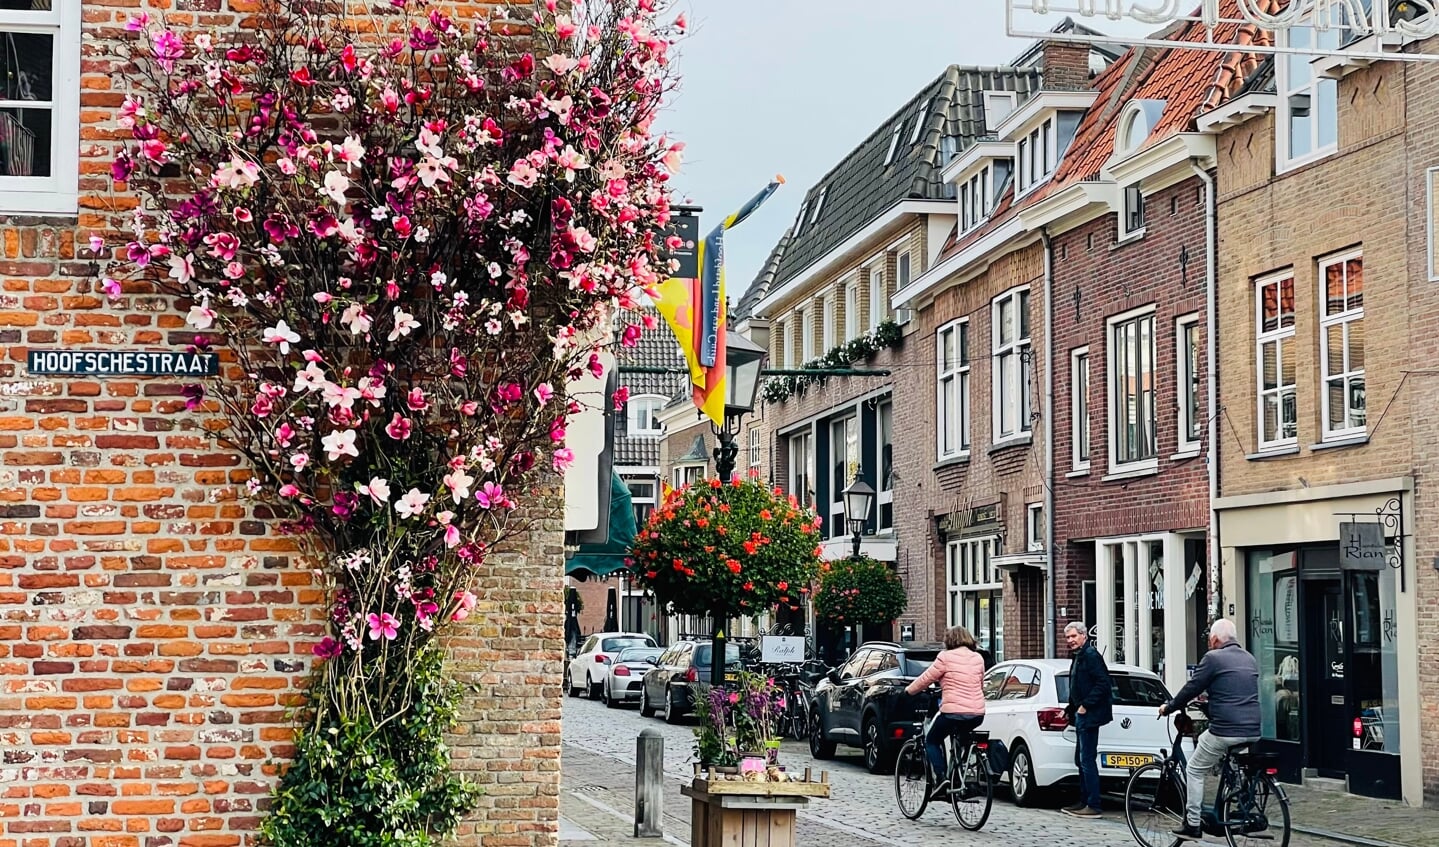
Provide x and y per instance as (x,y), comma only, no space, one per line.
(959,670)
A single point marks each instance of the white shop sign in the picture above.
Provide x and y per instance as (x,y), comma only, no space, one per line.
(775,649)
(1035,19)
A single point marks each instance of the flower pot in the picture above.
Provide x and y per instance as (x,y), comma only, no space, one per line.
(771,751)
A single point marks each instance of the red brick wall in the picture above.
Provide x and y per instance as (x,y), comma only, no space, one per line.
(1112,279)
(1013,473)
(152,628)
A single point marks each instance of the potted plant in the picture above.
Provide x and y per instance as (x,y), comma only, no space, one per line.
(859,591)
(714,736)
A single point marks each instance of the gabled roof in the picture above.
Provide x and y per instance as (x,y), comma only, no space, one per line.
(862,186)
(657,348)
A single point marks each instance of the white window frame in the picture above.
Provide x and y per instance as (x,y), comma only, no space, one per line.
(903,269)
(1144,463)
(633,406)
(884,484)
(818,205)
(1034,527)
(799,484)
(838,451)
(640,500)
(829,324)
(1277,337)
(876,295)
(687,474)
(1081,445)
(755,441)
(58,193)
(919,124)
(976,199)
(894,142)
(806,335)
(1034,168)
(799,219)
(994,115)
(1190,428)
(851,309)
(959,417)
(1291,89)
(969,570)
(1012,369)
(1344,321)
(1131,199)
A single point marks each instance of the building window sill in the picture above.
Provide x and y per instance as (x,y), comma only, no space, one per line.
(1011,441)
(1274,453)
(1133,471)
(1077,472)
(1185,454)
(1346,441)
(951,461)
(1283,167)
(1128,238)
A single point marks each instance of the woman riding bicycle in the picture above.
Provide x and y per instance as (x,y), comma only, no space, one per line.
(959,670)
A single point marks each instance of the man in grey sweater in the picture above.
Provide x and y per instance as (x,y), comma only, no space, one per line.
(1231,676)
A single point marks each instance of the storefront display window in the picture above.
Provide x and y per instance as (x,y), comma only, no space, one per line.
(1273,636)
(1375,665)
(1156,606)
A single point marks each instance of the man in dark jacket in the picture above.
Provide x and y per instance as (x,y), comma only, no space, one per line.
(1091,705)
(1231,676)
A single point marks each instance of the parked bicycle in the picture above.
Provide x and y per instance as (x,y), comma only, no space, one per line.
(1250,807)
(798,682)
(971,792)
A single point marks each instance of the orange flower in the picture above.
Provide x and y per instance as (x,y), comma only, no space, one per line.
(750,547)
(764,514)
(782,585)
(749,586)
(733,565)
(715,483)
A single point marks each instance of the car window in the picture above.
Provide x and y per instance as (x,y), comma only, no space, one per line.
(667,657)
(1022,682)
(1136,690)
(682,655)
(703,651)
(610,645)
(993,681)
(638,654)
(1061,687)
(589,644)
(852,667)
(917,662)
(887,662)
(871,663)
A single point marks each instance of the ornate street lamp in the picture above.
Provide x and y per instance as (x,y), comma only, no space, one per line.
(858,498)
(743,362)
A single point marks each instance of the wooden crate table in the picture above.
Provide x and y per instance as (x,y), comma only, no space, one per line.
(737,813)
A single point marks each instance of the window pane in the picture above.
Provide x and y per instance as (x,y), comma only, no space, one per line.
(1336,391)
(26,66)
(1334,288)
(1269,366)
(1269,307)
(1354,283)
(1300,125)
(947,414)
(1326,113)
(1024,314)
(1355,330)
(962,419)
(1286,361)
(1006,321)
(1358,414)
(886,447)
(964,344)
(1083,408)
(1008,376)
(946,350)
(1274,625)
(1286,302)
(1334,349)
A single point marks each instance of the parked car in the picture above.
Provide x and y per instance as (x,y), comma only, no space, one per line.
(626,675)
(669,686)
(587,671)
(862,702)
(1025,703)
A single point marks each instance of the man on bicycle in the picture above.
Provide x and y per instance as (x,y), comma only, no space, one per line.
(959,670)
(1231,676)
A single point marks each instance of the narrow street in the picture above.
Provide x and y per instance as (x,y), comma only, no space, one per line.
(597,795)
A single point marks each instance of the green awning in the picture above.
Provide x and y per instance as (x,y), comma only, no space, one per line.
(604,559)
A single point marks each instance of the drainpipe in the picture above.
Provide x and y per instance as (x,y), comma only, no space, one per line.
(1211,326)
(1048,381)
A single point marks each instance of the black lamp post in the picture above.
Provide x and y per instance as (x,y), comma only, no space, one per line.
(858,498)
(743,361)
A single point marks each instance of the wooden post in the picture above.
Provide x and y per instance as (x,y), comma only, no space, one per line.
(649,784)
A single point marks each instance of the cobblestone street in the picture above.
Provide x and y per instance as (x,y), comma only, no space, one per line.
(597,795)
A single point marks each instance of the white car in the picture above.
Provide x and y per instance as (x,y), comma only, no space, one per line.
(627,672)
(587,671)
(1025,708)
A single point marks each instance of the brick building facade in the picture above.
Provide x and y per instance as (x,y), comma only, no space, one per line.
(153,630)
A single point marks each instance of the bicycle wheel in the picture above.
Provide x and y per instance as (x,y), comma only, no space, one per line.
(972,790)
(1255,814)
(799,717)
(911,780)
(1154,804)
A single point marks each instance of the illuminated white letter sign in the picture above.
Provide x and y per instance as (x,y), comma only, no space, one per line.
(1410,20)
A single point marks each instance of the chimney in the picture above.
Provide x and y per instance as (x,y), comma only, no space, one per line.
(1065,65)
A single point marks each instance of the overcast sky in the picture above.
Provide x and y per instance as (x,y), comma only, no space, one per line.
(791,86)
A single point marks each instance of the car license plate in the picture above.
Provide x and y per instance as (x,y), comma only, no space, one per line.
(731,677)
(1125,760)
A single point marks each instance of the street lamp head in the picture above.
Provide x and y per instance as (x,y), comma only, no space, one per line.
(858,498)
(743,362)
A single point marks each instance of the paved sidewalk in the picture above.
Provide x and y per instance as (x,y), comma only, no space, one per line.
(1333,814)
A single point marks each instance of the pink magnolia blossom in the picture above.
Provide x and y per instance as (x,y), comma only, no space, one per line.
(383,625)
(459,484)
(544,393)
(398,428)
(282,335)
(412,503)
(464,604)
(416,401)
(491,496)
(237,173)
(404,324)
(339,443)
(327,648)
(564,457)
(377,489)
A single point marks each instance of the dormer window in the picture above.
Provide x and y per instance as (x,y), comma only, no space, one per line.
(799,221)
(1138,122)
(1037,154)
(997,106)
(976,196)
(818,204)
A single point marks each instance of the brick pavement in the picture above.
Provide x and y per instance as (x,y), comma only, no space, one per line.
(597,768)
(1362,819)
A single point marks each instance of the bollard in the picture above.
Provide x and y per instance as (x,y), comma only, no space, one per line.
(649,784)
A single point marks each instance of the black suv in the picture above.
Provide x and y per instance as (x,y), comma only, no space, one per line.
(862,702)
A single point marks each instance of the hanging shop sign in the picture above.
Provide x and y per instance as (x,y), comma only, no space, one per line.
(967,519)
(102,363)
(1393,23)
(1362,547)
